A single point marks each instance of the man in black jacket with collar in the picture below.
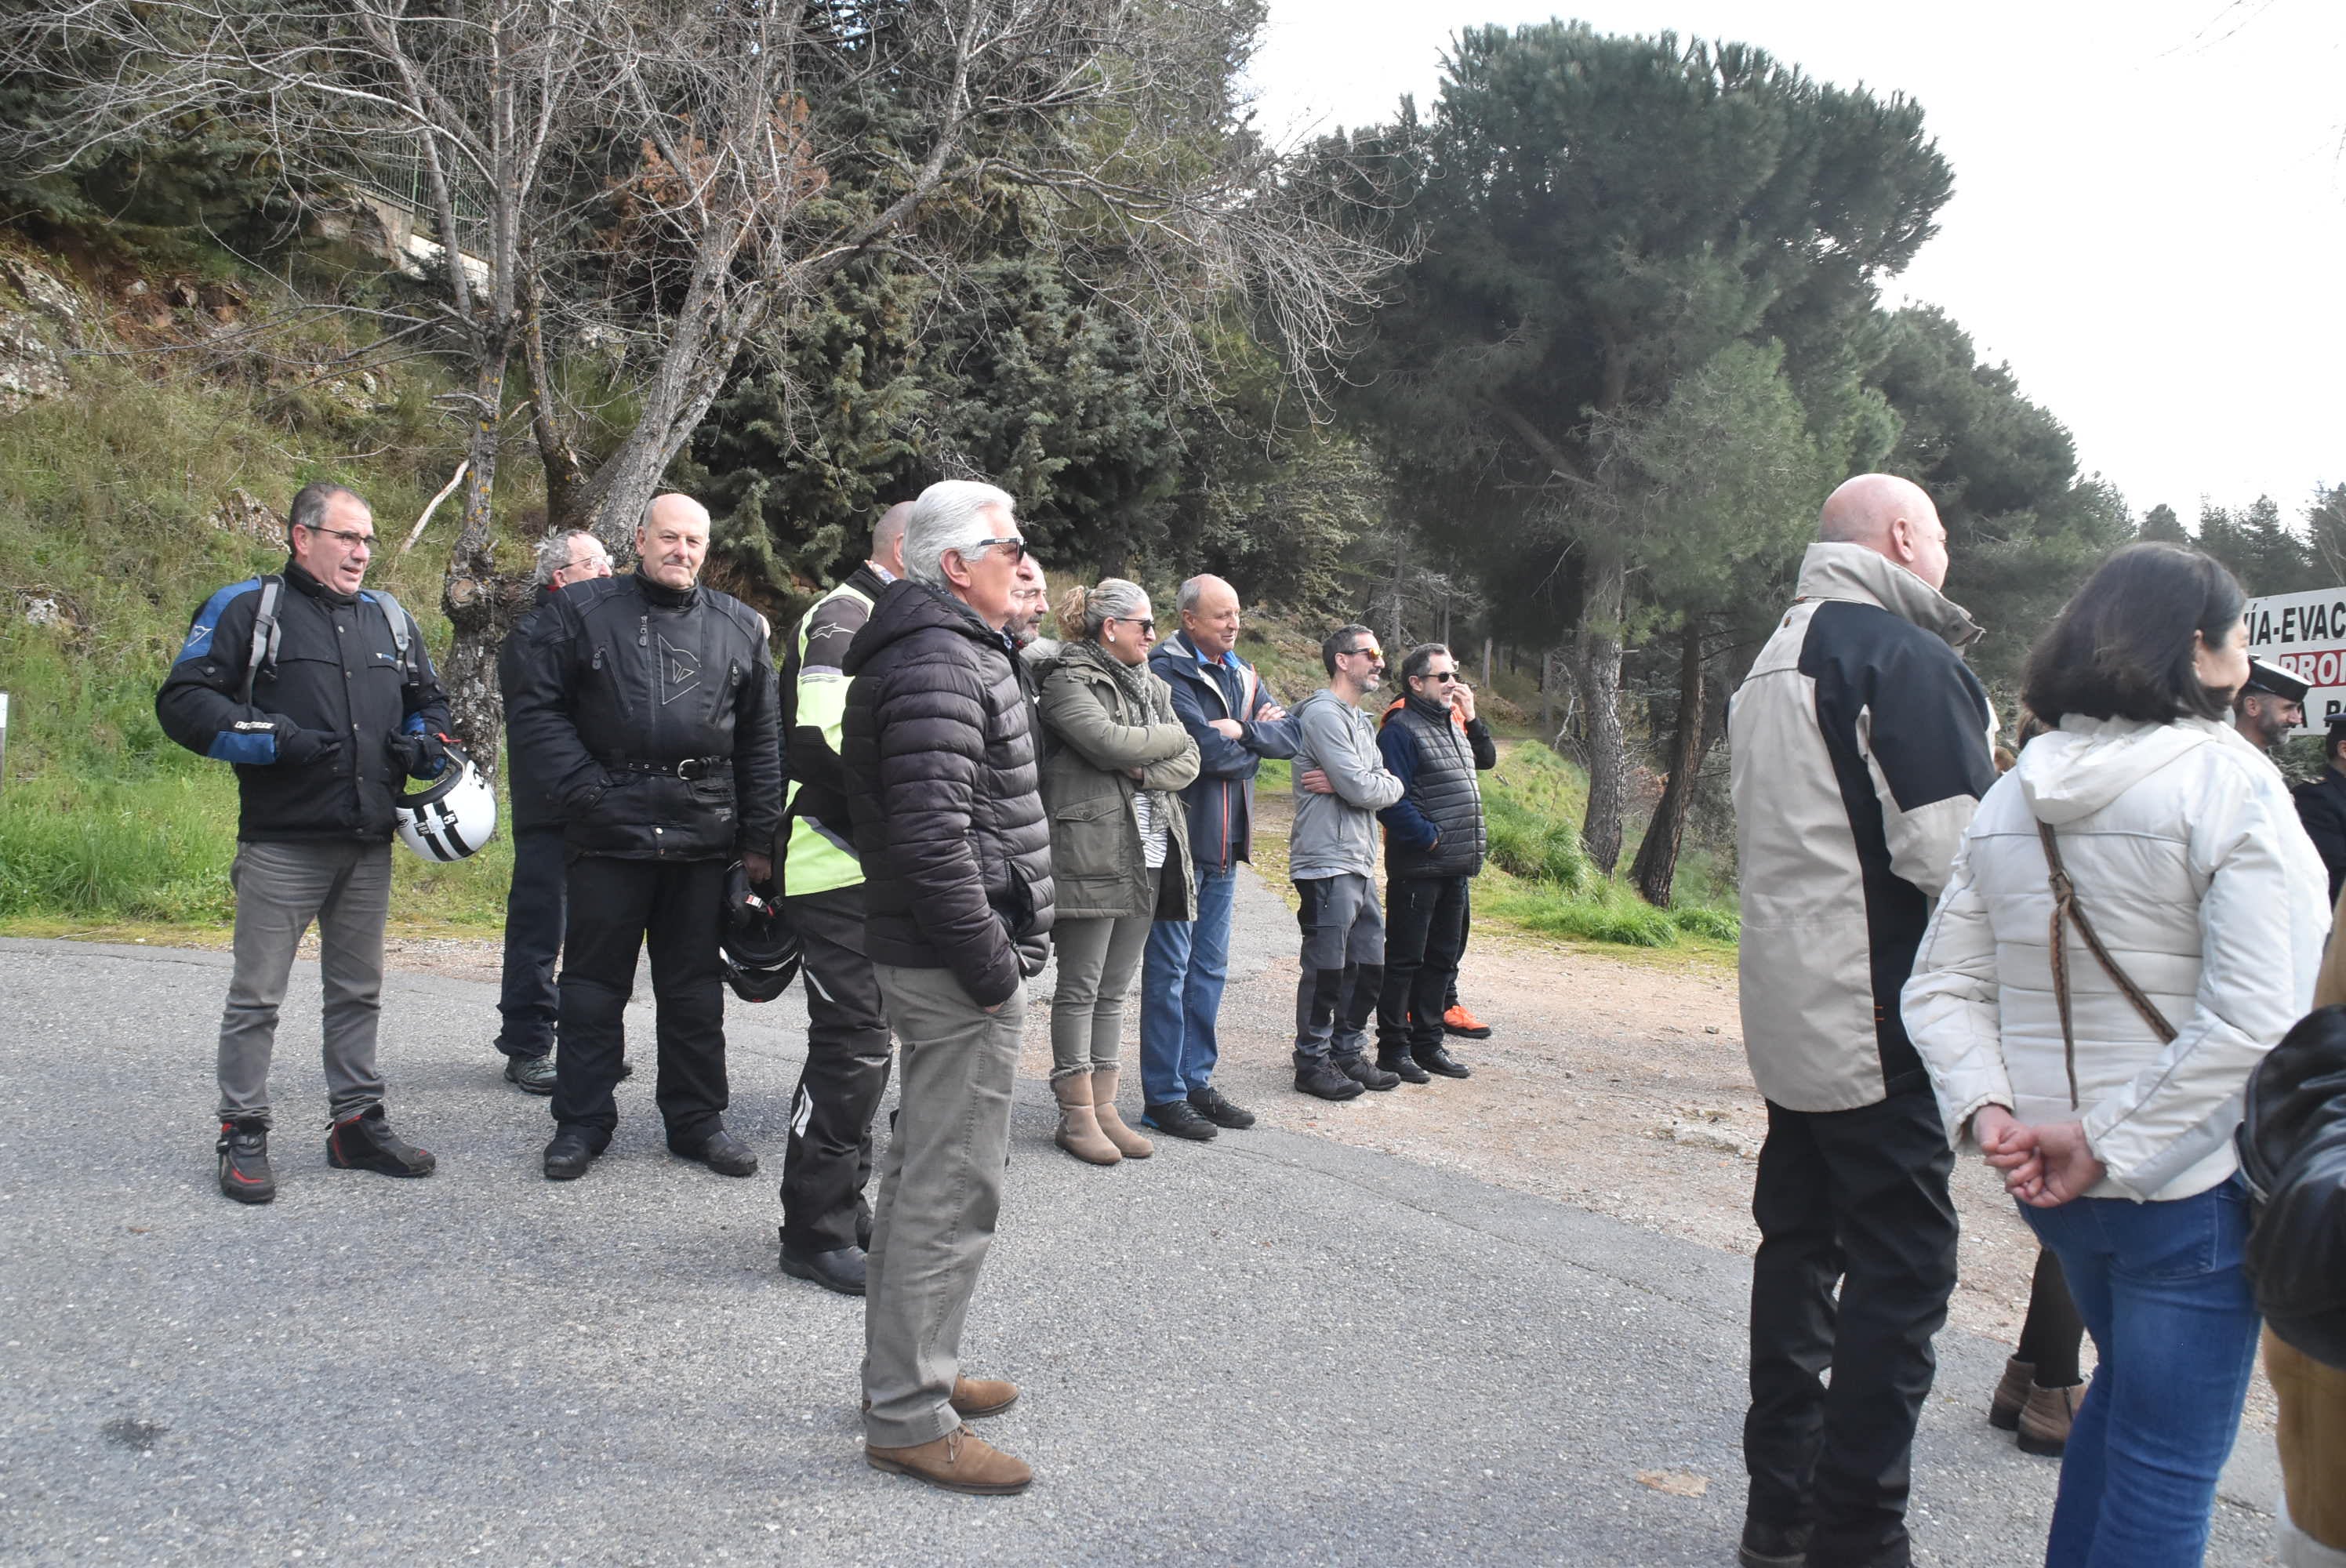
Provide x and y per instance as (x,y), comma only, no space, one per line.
(528,1004)
(322,697)
(648,703)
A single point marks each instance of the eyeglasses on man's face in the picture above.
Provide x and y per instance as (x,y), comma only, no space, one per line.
(1375,655)
(351,538)
(1444,675)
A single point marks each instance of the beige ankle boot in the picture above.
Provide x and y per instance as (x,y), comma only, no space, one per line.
(2011,1393)
(2045,1419)
(1131,1143)
(1079,1129)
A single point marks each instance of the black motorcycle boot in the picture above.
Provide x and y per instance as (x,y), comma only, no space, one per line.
(244,1170)
(366,1143)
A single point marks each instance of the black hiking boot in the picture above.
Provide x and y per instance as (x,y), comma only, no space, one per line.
(244,1172)
(1368,1074)
(531,1074)
(1318,1075)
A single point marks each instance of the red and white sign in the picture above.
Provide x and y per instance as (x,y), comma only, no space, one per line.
(2305,634)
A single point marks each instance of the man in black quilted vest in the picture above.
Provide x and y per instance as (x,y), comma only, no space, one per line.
(940,751)
(1434,846)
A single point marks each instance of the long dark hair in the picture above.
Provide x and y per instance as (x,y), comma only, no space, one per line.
(2122,646)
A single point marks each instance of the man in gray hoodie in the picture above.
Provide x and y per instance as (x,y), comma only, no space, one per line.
(1342,783)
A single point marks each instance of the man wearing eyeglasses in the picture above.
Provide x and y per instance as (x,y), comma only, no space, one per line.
(1435,843)
(940,753)
(528,1004)
(1342,784)
(325,701)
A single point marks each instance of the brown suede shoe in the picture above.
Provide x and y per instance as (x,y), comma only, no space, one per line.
(961,1460)
(2045,1419)
(975,1398)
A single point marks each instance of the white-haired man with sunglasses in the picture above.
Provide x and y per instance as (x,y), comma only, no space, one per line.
(940,752)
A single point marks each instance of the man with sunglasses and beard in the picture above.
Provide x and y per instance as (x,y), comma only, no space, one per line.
(1434,843)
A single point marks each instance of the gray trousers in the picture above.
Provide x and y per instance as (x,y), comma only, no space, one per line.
(280,888)
(1343,964)
(1096,959)
(940,1190)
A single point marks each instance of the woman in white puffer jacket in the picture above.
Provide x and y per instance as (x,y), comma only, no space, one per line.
(2184,855)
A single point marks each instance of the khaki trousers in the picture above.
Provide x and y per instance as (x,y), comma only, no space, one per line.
(2312,1440)
(940,1190)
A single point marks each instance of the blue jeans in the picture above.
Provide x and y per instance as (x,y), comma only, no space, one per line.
(1181,978)
(2161,1289)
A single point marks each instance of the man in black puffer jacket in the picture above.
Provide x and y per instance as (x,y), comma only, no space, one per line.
(1434,846)
(645,704)
(940,752)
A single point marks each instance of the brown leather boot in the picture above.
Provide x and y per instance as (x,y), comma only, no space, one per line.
(1079,1130)
(976,1398)
(2045,1419)
(2011,1393)
(1131,1145)
(961,1460)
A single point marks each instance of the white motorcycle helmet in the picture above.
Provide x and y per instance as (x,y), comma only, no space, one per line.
(452,815)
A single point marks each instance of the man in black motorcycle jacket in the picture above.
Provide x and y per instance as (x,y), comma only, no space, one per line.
(647,704)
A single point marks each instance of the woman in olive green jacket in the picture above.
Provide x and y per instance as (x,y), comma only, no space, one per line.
(1113,755)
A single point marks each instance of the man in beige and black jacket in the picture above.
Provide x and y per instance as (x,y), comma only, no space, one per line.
(1859,751)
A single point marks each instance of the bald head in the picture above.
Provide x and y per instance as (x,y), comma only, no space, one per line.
(1210,615)
(888,538)
(672,541)
(1890,516)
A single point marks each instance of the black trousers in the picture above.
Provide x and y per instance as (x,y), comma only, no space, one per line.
(616,904)
(529,1004)
(1465,929)
(1425,931)
(827,1169)
(1859,1198)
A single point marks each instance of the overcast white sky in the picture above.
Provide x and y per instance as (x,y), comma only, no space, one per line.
(2149,209)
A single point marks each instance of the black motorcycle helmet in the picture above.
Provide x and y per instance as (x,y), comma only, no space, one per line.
(759,950)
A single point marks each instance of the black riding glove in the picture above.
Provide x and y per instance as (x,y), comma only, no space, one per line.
(303,747)
(418,755)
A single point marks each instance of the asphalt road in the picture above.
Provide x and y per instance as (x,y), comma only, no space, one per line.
(1267,1349)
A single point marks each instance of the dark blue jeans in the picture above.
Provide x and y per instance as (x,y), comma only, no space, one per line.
(535,906)
(2161,1289)
(1181,976)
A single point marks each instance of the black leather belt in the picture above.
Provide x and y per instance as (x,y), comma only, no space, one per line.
(690,768)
